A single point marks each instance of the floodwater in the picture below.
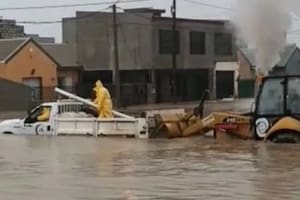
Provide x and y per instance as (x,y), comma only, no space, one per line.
(88,168)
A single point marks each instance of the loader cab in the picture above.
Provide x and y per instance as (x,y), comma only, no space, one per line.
(278,97)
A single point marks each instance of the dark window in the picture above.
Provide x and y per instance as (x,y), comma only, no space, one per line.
(166,41)
(223,44)
(197,42)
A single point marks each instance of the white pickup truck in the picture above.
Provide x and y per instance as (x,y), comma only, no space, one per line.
(67,118)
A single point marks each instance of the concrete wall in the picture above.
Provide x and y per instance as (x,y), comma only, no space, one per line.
(138,38)
(69,31)
(184,59)
(94,37)
(14,96)
(31,62)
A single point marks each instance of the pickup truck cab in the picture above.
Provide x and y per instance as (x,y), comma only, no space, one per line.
(31,125)
(66,117)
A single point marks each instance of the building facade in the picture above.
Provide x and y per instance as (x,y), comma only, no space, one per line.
(145,47)
(9,29)
(23,61)
(42,67)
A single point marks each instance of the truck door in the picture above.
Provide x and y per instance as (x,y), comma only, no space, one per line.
(38,121)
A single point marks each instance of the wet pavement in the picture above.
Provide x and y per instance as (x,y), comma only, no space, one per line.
(75,168)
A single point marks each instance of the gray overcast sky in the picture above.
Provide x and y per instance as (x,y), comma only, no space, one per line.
(185,9)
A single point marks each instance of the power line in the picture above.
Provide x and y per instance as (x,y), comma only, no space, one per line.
(93,13)
(208,5)
(90,14)
(70,5)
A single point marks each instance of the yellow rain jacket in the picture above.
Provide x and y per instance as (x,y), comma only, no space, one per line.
(103,100)
(44,116)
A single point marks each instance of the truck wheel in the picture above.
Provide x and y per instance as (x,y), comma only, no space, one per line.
(40,129)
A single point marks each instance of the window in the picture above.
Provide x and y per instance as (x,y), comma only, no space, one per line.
(223,44)
(41,113)
(271,98)
(166,42)
(293,95)
(197,42)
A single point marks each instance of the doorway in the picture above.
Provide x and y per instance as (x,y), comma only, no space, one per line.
(225,84)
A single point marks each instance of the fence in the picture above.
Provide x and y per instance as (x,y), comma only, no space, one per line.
(14,96)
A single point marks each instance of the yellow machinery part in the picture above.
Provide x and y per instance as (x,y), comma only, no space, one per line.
(180,126)
(286,123)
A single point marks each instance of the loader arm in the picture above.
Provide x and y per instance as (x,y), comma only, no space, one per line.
(219,122)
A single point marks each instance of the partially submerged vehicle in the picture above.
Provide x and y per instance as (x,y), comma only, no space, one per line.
(67,117)
(274,116)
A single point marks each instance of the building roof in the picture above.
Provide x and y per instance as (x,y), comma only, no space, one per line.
(156,12)
(207,21)
(39,39)
(285,55)
(64,54)
(10,47)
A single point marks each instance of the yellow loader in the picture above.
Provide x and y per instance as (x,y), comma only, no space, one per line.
(274,116)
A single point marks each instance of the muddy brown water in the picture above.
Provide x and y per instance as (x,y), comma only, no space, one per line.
(91,168)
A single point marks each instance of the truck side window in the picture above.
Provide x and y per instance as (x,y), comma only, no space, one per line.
(41,113)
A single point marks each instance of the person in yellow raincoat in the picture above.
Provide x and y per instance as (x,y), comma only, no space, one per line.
(44,116)
(103,100)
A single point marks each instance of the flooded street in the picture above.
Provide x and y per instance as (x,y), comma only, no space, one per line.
(100,168)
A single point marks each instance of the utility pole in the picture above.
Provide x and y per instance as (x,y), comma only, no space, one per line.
(116,59)
(174,52)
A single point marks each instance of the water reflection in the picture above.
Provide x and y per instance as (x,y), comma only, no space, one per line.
(102,168)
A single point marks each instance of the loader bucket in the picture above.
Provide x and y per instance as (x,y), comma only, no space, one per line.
(170,125)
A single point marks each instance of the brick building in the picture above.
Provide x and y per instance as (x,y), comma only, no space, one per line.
(9,29)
